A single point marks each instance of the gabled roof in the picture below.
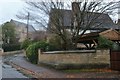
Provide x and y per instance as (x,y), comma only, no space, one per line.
(104,20)
(18,24)
(110,34)
(67,16)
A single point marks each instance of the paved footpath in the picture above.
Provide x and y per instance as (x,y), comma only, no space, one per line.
(43,72)
(7,71)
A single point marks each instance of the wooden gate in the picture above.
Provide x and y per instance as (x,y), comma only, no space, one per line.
(115,60)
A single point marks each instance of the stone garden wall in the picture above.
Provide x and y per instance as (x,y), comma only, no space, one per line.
(2,53)
(75,57)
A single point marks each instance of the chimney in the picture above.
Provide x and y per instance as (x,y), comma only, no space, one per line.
(75,11)
(75,7)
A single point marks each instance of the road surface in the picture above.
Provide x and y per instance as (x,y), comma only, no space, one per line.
(8,71)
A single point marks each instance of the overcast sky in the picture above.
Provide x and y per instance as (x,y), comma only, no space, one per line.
(9,9)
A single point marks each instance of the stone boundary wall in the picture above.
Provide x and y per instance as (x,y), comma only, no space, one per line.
(75,57)
(2,53)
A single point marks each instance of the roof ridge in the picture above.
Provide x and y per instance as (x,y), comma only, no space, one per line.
(22,23)
(85,11)
(19,22)
(104,32)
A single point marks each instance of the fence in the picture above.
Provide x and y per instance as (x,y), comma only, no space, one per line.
(115,60)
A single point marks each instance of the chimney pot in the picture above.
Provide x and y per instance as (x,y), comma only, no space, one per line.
(75,7)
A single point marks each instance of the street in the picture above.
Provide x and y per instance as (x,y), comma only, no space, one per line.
(8,71)
(44,72)
(0,67)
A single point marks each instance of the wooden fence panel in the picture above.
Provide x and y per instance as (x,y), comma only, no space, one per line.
(115,60)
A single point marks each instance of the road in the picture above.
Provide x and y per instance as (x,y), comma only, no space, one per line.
(44,72)
(8,71)
(0,67)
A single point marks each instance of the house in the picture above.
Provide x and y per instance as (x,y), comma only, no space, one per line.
(21,30)
(103,21)
(100,21)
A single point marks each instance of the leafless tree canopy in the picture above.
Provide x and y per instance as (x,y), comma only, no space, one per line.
(83,17)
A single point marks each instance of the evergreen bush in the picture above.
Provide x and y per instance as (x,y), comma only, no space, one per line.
(104,43)
(25,44)
(32,50)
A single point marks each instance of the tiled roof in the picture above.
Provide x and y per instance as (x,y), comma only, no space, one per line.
(17,23)
(110,34)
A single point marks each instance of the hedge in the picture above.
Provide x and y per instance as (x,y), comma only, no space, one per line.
(11,47)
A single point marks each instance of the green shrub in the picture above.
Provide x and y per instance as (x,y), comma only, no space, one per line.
(11,47)
(51,47)
(32,50)
(25,44)
(55,43)
(31,53)
(104,43)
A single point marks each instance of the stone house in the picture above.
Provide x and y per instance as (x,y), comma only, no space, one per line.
(33,34)
(21,30)
(102,22)
(39,35)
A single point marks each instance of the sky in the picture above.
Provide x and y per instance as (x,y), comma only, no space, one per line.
(9,9)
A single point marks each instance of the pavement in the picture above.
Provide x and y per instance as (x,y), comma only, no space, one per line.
(0,67)
(8,71)
(41,72)
(19,61)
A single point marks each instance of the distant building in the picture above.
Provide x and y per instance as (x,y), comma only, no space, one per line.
(39,35)
(33,34)
(21,30)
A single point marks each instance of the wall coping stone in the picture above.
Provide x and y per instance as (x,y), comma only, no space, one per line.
(70,51)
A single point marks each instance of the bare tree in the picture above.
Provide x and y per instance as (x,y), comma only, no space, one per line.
(83,18)
(87,14)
